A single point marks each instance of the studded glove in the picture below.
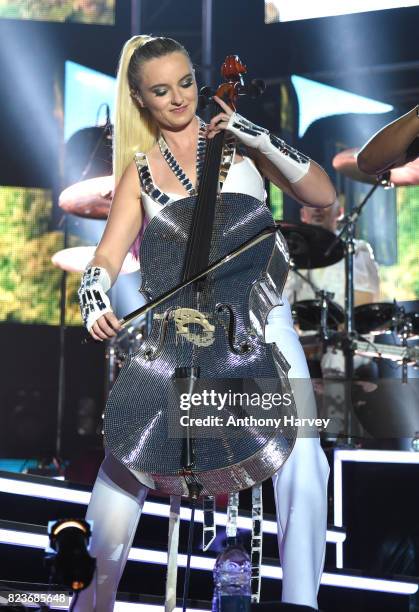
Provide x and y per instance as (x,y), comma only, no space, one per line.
(93,300)
(290,162)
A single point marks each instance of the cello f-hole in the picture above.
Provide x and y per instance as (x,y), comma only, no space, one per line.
(150,354)
(243,347)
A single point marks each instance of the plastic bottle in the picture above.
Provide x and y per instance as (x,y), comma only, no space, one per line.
(415,442)
(232,577)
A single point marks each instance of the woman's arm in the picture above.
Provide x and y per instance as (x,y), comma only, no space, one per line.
(392,146)
(313,189)
(124,223)
(292,171)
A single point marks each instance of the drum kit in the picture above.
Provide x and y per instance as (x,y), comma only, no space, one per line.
(321,321)
(324,317)
(379,410)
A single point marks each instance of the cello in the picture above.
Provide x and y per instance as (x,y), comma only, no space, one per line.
(222,265)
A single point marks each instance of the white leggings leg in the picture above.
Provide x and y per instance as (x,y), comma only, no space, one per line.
(115,507)
(300,488)
(300,485)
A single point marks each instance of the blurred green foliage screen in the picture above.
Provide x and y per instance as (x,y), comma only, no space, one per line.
(400,281)
(29,283)
(69,11)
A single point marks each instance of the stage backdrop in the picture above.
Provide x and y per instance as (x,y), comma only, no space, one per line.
(76,11)
(29,283)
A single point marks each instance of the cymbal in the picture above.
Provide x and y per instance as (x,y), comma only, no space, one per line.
(308,243)
(308,314)
(345,163)
(76,259)
(91,198)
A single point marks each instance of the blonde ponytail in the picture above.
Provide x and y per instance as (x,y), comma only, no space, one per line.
(134,129)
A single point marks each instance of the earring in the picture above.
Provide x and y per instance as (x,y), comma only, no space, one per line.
(137,98)
(134,95)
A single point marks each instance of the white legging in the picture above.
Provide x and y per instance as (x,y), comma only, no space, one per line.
(300,488)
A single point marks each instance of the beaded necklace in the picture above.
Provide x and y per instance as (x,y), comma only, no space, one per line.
(176,168)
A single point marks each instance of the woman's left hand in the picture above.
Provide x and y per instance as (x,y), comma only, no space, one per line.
(220,121)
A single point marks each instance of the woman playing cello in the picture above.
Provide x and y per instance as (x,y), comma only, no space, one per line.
(156,114)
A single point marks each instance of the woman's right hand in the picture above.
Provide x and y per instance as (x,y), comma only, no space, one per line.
(122,227)
(95,306)
(106,327)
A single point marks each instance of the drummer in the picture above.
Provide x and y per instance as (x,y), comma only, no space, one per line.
(332,279)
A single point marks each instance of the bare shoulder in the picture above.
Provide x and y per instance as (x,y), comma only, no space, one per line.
(128,190)
(130,180)
(127,196)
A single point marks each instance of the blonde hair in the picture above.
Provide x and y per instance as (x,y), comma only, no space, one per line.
(135,129)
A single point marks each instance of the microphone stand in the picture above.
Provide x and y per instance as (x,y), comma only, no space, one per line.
(347,233)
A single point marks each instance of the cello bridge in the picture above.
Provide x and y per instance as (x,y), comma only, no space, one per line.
(185,317)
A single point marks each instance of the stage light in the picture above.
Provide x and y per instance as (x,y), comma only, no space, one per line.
(362,456)
(283,10)
(369,584)
(317,100)
(68,557)
(376,456)
(47,491)
(142,555)
(23,538)
(21,487)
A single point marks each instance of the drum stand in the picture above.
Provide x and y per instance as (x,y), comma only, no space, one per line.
(324,297)
(402,326)
(347,234)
